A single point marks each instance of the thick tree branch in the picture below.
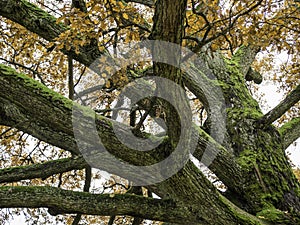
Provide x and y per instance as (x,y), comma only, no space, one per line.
(62,201)
(208,200)
(290,131)
(198,80)
(48,116)
(224,164)
(253,75)
(42,170)
(290,100)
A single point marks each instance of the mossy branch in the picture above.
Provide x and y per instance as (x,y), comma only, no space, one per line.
(223,162)
(290,100)
(254,75)
(50,117)
(60,201)
(42,170)
(290,131)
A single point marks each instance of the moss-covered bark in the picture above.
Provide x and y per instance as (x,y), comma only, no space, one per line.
(281,108)
(43,170)
(290,132)
(268,178)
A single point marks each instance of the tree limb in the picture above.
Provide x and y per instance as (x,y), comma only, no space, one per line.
(290,131)
(42,170)
(224,164)
(79,4)
(254,75)
(54,119)
(290,100)
(64,202)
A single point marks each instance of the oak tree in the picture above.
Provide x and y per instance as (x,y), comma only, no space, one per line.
(57,55)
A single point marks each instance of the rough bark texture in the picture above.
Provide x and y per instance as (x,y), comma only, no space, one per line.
(42,170)
(168,26)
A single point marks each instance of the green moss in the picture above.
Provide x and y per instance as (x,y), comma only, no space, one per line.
(237,90)
(247,159)
(265,162)
(239,54)
(6,70)
(13,76)
(245,113)
(240,214)
(273,215)
(289,125)
(41,13)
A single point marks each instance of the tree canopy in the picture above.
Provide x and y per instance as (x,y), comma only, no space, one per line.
(148,112)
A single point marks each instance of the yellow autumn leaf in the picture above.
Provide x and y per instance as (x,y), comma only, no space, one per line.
(125,16)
